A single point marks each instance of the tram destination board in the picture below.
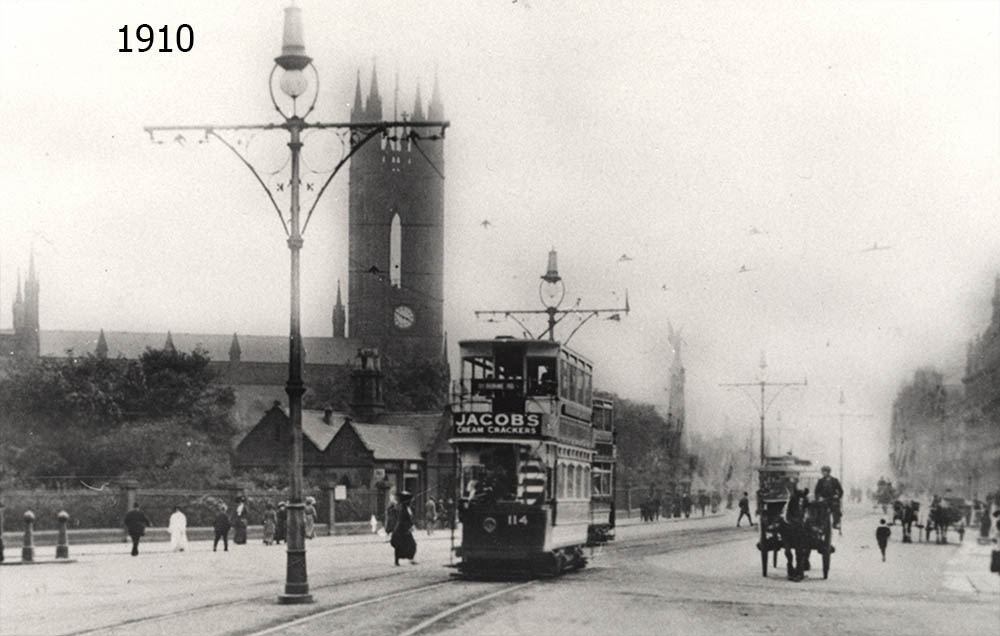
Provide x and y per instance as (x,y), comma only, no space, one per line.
(499,425)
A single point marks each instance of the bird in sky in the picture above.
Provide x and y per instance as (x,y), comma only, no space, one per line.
(624,258)
(664,288)
(876,247)
(486,223)
(744,269)
(755,231)
(374,270)
(180,139)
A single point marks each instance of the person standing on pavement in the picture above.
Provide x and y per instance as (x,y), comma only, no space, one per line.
(744,510)
(221,526)
(136,522)
(240,521)
(882,534)
(270,522)
(402,540)
(391,514)
(686,505)
(309,513)
(178,530)
(430,515)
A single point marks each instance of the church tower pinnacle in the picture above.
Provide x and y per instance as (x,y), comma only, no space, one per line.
(373,109)
(339,316)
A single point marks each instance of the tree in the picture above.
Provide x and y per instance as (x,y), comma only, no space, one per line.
(94,416)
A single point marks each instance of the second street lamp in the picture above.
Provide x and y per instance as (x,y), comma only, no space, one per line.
(294,82)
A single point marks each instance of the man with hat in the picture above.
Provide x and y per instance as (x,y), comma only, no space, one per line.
(828,489)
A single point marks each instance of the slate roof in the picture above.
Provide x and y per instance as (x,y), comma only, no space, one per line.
(132,344)
(319,432)
(388,441)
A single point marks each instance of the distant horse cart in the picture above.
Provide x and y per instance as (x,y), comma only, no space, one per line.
(789,521)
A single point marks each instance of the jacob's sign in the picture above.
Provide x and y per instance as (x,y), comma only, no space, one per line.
(498,424)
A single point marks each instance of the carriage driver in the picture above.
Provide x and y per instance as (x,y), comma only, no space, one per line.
(828,488)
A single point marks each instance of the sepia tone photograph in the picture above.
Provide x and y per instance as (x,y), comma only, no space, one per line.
(499,317)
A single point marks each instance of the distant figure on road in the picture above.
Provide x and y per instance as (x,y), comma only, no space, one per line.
(281,527)
(882,534)
(702,502)
(744,510)
(402,539)
(430,515)
(178,530)
(136,522)
(310,516)
(686,505)
(828,489)
(240,522)
(270,522)
(221,525)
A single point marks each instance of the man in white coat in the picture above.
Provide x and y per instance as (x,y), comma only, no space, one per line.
(178,530)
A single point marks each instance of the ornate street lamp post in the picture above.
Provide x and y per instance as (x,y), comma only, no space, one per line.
(294,83)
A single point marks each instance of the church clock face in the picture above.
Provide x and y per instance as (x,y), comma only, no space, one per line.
(403,317)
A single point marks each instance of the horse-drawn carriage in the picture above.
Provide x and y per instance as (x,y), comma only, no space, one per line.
(789,521)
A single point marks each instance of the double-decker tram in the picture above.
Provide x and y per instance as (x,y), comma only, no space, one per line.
(536,457)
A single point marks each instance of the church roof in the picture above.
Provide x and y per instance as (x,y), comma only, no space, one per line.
(132,344)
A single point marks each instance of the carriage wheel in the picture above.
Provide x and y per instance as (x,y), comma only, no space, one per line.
(762,546)
(827,549)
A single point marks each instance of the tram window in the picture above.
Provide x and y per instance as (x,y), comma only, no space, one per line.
(586,482)
(562,481)
(490,472)
(541,376)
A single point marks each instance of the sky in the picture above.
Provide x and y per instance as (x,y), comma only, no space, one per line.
(693,139)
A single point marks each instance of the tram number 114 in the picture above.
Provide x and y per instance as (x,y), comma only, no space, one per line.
(517,520)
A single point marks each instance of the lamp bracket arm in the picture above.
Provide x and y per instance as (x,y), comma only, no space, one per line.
(355,146)
(281,217)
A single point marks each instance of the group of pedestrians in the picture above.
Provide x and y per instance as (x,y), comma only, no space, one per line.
(274,521)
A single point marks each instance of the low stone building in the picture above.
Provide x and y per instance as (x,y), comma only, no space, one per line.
(369,450)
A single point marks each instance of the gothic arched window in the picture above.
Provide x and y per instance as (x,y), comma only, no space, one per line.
(396,251)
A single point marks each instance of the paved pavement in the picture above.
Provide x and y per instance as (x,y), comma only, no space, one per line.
(105,586)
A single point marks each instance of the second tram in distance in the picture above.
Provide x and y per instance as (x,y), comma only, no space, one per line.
(536,457)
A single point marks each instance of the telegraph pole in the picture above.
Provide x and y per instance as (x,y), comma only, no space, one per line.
(765,405)
(840,418)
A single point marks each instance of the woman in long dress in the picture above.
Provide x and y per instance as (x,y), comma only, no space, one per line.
(270,521)
(178,530)
(240,521)
(310,517)
(402,535)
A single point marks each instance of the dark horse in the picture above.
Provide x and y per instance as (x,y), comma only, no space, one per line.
(907,514)
(806,527)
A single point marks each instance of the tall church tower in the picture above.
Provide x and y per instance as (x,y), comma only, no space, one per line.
(396,236)
(26,315)
(676,404)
